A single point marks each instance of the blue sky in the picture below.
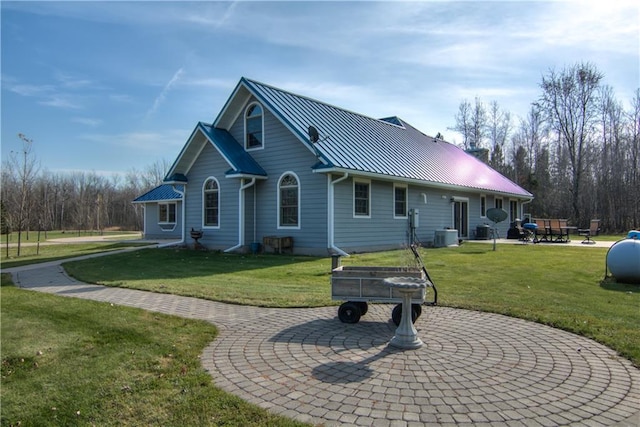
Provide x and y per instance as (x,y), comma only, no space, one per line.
(112,86)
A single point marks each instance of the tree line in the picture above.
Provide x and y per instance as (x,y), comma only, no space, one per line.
(38,200)
(577,150)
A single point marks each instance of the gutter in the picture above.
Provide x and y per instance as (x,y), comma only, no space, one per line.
(241,215)
(421,182)
(330,214)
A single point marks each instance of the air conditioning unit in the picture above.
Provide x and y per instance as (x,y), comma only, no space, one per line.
(444,238)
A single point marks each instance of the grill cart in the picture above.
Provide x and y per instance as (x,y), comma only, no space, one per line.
(358,286)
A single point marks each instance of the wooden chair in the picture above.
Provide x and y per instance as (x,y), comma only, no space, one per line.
(564,230)
(587,233)
(542,233)
(555,230)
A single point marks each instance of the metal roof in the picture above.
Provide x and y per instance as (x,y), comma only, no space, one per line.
(163,192)
(240,161)
(390,147)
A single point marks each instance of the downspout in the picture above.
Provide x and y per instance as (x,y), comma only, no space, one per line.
(241,215)
(330,214)
(184,203)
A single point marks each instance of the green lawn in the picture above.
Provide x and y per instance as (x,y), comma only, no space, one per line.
(557,285)
(76,362)
(32,255)
(32,236)
(72,362)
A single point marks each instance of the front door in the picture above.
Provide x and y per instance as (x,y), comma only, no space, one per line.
(461,218)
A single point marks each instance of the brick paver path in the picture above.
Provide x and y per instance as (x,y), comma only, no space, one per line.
(475,368)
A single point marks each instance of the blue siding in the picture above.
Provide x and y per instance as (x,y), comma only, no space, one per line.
(153,230)
(211,164)
(383,231)
(283,152)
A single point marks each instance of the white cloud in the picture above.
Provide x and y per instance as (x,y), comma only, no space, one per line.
(160,98)
(87,121)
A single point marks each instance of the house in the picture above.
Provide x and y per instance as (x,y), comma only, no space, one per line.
(274,164)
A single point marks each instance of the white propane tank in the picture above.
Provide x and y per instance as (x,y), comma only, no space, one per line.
(623,260)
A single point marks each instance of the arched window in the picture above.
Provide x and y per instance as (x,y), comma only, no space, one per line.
(288,201)
(253,126)
(211,203)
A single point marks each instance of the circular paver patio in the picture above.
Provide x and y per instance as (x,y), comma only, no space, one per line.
(474,368)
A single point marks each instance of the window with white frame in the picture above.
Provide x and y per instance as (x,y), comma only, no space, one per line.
(211,203)
(166,213)
(361,198)
(498,203)
(289,201)
(513,210)
(254,126)
(400,201)
(483,205)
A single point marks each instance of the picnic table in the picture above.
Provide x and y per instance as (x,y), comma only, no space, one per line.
(552,231)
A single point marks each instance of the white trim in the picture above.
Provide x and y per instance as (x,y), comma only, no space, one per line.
(183,193)
(353,198)
(288,227)
(241,208)
(418,182)
(483,196)
(331,214)
(262,119)
(517,215)
(168,223)
(202,192)
(406,201)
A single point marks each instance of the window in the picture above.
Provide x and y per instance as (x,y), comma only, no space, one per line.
(483,206)
(253,127)
(167,213)
(361,198)
(498,203)
(288,201)
(211,203)
(513,210)
(399,201)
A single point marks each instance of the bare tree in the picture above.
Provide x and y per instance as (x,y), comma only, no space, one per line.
(633,164)
(478,124)
(22,170)
(570,99)
(463,123)
(498,128)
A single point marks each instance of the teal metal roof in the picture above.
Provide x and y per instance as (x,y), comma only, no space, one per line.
(389,147)
(240,161)
(163,192)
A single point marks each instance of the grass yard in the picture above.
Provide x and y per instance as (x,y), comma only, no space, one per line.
(31,255)
(74,362)
(32,236)
(557,285)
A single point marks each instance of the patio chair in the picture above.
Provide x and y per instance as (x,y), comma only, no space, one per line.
(587,233)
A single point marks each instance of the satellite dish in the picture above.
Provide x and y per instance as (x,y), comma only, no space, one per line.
(313,134)
(497,215)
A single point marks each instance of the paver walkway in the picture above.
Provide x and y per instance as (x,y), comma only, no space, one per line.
(475,368)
